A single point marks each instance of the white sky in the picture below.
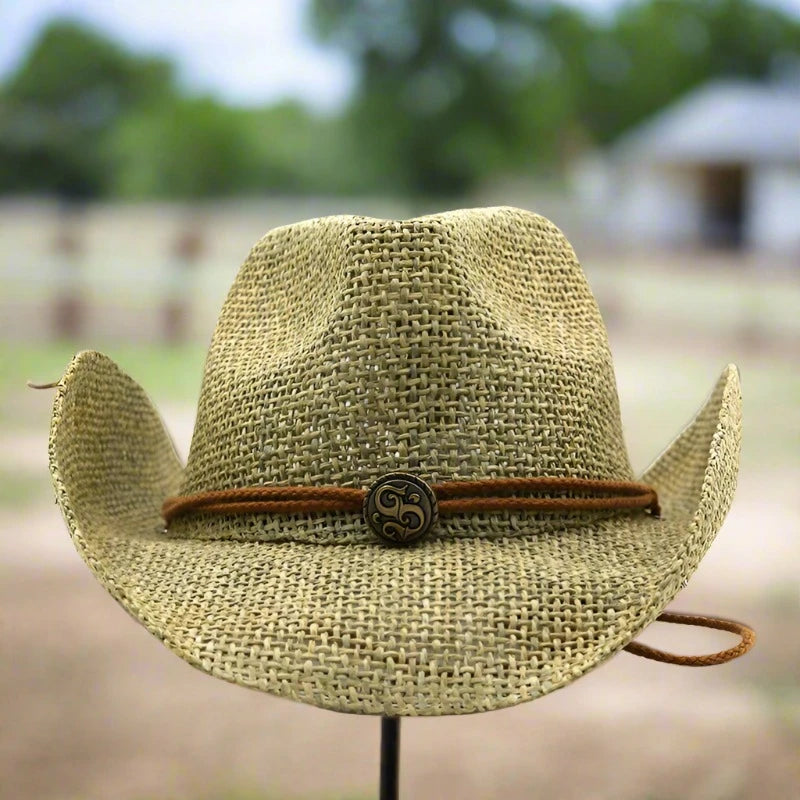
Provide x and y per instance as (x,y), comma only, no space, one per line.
(246,51)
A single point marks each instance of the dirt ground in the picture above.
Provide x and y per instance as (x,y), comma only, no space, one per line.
(96,708)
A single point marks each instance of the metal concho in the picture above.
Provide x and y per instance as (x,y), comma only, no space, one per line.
(400,508)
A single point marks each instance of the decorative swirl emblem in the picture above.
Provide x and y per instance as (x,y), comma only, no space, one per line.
(400,508)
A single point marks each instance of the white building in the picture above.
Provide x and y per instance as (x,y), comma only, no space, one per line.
(721,167)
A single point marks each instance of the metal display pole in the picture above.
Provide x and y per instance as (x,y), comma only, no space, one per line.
(390,758)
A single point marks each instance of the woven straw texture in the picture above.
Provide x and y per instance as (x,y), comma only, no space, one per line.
(462,345)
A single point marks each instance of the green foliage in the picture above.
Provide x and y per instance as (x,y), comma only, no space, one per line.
(302,152)
(82,117)
(449,93)
(172,372)
(188,147)
(58,109)
(20,490)
(69,63)
(658,50)
(439,98)
(197,147)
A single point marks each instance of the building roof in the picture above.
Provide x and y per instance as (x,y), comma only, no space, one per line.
(721,122)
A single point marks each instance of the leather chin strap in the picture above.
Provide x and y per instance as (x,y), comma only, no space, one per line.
(746,634)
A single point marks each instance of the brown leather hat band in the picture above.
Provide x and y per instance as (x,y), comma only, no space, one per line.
(453,497)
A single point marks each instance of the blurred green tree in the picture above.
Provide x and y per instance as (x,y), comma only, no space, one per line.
(438,99)
(58,108)
(452,91)
(81,117)
(189,147)
(653,52)
(196,147)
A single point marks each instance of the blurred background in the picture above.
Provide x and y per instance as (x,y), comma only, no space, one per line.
(145,146)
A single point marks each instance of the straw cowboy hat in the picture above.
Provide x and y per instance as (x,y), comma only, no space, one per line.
(407,491)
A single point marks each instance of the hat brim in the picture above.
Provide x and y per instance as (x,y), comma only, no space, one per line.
(454,626)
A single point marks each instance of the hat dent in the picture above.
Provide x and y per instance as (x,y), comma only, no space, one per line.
(454,346)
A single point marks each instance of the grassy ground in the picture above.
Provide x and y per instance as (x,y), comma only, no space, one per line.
(22,489)
(173,371)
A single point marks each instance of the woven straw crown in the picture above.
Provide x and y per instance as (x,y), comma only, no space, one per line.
(463,345)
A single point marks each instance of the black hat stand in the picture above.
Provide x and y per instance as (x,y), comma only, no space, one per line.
(390,752)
